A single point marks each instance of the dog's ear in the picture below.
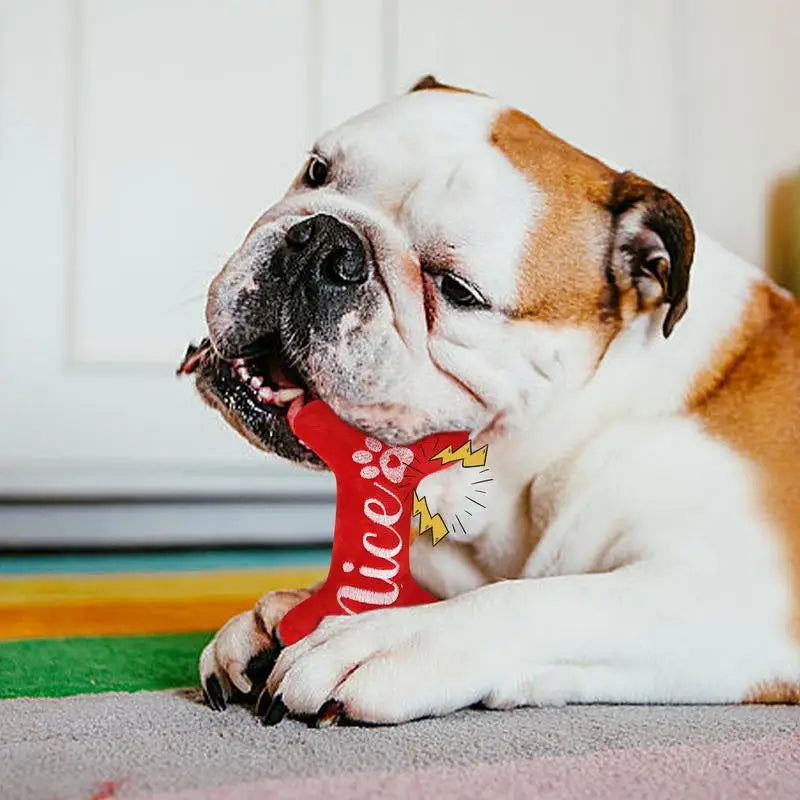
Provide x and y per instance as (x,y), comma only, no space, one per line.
(653,244)
(426,82)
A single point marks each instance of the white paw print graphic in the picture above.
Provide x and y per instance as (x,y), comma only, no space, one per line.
(393,461)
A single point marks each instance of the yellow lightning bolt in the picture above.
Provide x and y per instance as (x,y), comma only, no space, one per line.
(465,454)
(434,524)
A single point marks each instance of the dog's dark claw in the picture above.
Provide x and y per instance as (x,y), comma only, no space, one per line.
(260,666)
(330,714)
(276,712)
(213,694)
(263,703)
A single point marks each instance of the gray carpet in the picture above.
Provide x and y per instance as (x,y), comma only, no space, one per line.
(139,745)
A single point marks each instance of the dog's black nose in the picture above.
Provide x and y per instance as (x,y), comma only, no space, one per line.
(331,250)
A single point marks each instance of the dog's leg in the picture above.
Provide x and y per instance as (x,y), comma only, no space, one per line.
(447,568)
(637,634)
(243,651)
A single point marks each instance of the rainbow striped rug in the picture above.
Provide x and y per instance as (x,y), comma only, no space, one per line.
(92,623)
(107,628)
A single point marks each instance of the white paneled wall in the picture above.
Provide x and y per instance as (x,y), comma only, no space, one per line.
(700,95)
(139,140)
(742,112)
(180,138)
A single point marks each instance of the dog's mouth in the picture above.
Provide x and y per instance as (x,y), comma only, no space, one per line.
(258,394)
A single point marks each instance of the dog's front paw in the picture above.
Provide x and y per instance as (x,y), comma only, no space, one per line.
(243,652)
(383,666)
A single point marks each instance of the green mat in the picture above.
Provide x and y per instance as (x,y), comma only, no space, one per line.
(61,667)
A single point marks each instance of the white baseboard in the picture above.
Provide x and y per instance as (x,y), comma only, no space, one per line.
(74,480)
(165,523)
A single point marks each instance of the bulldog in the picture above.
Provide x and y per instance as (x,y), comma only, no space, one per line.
(443,262)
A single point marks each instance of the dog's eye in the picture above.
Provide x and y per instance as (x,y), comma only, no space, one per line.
(316,172)
(459,293)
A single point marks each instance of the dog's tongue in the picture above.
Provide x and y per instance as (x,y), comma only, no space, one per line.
(280,377)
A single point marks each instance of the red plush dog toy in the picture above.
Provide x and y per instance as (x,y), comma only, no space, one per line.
(375,485)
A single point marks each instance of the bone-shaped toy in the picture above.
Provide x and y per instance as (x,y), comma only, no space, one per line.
(375,485)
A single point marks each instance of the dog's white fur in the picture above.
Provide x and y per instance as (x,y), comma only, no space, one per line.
(628,556)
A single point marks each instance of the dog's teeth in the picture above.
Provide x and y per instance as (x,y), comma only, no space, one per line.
(256,381)
(287,395)
(266,394)
(243,374)
(239,362)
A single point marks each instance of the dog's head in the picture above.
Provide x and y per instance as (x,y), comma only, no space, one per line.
(441,262)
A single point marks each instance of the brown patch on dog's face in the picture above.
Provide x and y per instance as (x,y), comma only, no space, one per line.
(562,278)
(761,362)
(608,245)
